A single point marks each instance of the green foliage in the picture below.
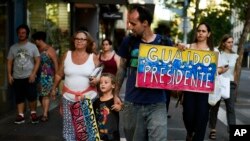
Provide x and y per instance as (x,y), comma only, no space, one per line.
(220,24)
(174,3)
(241,6)
(218,17)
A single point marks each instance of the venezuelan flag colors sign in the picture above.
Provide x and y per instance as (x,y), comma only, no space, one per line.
(165,67)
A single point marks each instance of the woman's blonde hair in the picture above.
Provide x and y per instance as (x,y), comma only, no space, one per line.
(90,41)
(223,40)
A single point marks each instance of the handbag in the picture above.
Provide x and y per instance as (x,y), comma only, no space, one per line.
(84,121)
(225,87)
(215,96)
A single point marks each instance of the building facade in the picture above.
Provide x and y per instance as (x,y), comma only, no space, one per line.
(236,32)
(59,19)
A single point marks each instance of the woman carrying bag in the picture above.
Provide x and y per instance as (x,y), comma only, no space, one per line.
(227,58)
(76,67)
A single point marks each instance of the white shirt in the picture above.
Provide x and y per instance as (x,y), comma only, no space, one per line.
(77,76)
(228,59)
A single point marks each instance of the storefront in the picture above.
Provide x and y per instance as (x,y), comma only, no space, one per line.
(59,19)
(51,16)
(5,99)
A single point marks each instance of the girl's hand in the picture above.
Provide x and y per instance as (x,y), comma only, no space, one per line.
(117,107)
(93,81)
(117,100)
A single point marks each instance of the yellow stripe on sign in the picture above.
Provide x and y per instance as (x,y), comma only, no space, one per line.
(159,52)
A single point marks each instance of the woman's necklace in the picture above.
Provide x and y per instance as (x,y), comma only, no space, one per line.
(227,56)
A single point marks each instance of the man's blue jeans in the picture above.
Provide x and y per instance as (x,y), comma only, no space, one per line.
(145,122)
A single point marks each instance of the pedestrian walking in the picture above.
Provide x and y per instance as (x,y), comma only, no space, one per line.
(228,58)
(164,30)
(108,57)
(106,111)
(76,66)
(22,65)
(195,104)
(144,115)
(46,72)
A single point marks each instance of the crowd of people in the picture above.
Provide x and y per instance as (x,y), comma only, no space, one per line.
(35,72)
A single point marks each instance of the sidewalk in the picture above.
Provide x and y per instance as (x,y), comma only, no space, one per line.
(52,130)
(43,131)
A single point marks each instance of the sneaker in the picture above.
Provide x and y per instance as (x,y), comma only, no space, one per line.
(19,119)
(34,118)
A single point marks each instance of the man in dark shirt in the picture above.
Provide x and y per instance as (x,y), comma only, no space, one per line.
(144,115)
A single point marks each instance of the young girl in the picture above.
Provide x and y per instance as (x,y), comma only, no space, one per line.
(107,115)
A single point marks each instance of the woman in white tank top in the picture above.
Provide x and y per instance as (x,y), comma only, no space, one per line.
(76,67)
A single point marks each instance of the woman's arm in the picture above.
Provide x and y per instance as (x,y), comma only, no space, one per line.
(53,56)
(117,60)
(9,70)
(235,73)
(59,75)
(94,81)
(222,69)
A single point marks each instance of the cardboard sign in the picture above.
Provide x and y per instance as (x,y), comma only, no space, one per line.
(163,67)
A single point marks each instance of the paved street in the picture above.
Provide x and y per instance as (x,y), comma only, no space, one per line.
(177,132)
(52,130)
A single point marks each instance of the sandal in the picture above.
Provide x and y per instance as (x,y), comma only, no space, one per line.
(44,118)
(189,137)
(212,135)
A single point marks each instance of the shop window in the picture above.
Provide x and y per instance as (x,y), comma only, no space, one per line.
(53,18)
(3,46)
(4,96)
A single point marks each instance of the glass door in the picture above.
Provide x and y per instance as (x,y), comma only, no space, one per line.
(3,54)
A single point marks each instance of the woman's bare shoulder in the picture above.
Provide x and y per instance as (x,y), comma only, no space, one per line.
(96,59)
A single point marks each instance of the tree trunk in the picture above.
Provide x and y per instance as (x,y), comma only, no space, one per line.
(196,14)
(240,51)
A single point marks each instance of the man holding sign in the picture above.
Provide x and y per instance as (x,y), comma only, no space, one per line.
(144,114)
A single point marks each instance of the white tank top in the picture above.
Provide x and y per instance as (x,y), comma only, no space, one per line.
(77,76)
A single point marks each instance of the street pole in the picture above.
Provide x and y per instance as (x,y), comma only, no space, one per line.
(185,27)
(248,60)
